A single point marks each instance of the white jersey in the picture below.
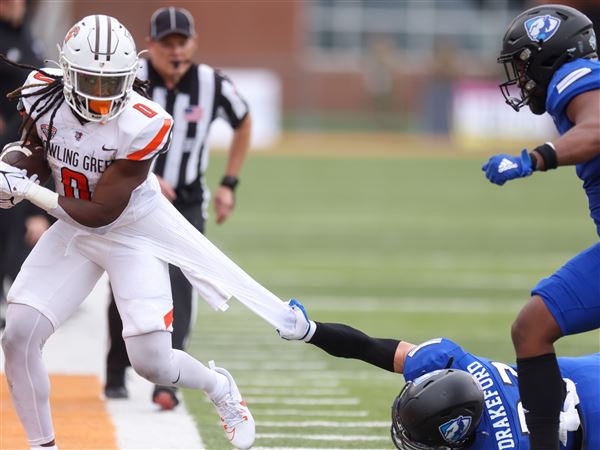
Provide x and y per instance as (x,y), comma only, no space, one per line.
(81,151)
(135,249)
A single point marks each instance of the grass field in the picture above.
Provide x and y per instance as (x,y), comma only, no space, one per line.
(398,247)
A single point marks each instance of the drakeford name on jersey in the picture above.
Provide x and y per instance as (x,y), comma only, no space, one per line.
(504,434)
(73,158)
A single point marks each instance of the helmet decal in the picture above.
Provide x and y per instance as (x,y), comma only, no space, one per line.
(456,430)
(72,33)
(593,42)
(542,28)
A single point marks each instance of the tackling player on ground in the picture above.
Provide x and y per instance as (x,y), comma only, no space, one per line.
(454,400)
(550,55)
(101,136)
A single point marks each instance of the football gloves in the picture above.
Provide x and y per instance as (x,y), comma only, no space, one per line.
(501,168)
(569,416)
(303,329)
(14,184)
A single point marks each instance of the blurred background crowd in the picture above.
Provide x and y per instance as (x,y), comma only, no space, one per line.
(411,66)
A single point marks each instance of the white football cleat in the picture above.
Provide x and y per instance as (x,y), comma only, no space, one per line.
(237,420)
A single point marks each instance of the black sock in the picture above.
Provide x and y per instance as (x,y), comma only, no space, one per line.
(542,392)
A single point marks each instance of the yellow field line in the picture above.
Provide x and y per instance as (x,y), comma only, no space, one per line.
(79,414)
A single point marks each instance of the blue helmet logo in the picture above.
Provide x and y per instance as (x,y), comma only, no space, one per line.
(542,28)
(455,430)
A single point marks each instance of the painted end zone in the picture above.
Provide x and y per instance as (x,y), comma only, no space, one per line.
(78,412)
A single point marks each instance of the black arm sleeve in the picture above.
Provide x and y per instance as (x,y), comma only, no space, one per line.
(347,342)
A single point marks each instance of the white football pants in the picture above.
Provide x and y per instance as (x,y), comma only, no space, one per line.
(150,354)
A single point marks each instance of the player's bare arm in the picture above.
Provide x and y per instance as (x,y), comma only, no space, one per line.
(400,356)
(582,142)
(111,195)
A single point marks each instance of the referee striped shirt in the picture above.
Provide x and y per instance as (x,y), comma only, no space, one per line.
(202,95)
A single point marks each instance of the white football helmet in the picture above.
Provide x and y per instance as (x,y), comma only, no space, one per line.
(99,63)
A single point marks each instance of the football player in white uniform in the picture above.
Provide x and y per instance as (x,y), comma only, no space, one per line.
(101,135)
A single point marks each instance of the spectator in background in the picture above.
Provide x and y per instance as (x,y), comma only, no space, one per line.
(195,95)
(379,70)
(21,226)
(437,102)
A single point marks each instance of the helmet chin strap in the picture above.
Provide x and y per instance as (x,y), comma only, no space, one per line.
(537,104)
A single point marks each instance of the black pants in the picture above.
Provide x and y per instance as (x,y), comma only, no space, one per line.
(117,360)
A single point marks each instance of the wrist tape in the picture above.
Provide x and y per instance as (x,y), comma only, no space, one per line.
(548,154)
(42,197)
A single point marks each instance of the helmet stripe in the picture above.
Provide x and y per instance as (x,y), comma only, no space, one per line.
(109,32)
(97,46)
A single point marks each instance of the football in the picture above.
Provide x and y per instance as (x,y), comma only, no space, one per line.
(29,157)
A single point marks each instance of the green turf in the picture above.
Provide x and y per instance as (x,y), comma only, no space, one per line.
(403,248)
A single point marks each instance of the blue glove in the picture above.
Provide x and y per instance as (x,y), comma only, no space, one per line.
(303,328)
(501,168)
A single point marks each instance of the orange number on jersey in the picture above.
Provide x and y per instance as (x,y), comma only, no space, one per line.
(145,110)
(76,184)
(43,78)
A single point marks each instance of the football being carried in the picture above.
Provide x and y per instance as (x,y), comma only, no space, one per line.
(22,165)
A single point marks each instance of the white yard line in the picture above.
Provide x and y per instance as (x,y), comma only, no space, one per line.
(311,448)
(308,413)
(286,391)
(302,401)
(79,348)
(241,366)
(278,382)
(322,437)
(325,424)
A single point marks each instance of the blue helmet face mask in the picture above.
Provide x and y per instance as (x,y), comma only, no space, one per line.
(536,44)
(437,411)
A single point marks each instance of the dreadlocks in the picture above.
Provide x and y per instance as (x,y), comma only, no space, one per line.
(50,99)
(49,93)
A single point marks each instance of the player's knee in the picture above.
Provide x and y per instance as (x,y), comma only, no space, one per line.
(151,355)
(6,341)
(13,341)
(153,371)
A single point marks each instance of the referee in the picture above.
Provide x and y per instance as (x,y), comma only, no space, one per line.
(195,95)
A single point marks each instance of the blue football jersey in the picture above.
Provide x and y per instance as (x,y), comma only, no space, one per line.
(503,423)
(569,81)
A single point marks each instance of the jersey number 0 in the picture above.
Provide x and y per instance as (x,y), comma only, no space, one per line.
(75,183)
